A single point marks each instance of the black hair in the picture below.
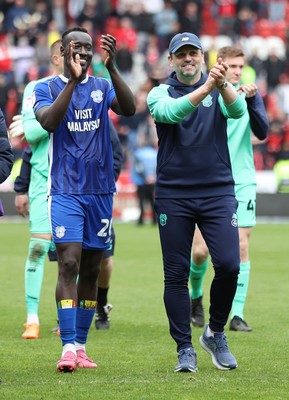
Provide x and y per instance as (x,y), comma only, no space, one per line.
(74,29)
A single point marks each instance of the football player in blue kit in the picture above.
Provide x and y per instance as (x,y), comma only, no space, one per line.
(73,108)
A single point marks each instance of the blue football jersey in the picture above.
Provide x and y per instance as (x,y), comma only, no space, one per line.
(80,152)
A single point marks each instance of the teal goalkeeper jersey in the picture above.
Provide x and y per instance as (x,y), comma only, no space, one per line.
(38,140)
(241,150)
(240,143)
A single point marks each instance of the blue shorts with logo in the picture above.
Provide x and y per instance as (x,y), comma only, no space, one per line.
(82,219)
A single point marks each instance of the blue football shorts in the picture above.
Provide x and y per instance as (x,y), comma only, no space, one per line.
(85,219)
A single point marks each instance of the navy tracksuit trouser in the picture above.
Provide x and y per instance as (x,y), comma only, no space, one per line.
(217,219)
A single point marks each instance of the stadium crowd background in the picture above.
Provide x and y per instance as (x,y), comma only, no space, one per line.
(143,29)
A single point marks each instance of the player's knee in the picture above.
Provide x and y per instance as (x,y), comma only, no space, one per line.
(68,268)
(36,250)
(106,264)
(200,255)
(228,267)
(244,252)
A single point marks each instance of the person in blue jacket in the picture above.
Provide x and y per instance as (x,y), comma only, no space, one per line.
(6,154)
(195,186)
(143,175)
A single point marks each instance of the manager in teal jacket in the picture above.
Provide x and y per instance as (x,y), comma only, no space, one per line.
(195,186)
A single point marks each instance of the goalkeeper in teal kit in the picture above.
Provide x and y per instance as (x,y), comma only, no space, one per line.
(242,160)
(40,240)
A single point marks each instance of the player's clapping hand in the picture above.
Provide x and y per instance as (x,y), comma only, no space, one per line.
(217,73)
(108,45)
(250,89)
(74,60)
(16,127)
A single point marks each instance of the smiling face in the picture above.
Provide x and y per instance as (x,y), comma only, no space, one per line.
(187,62)
(82,46)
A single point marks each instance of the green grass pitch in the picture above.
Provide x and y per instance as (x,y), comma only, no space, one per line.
(137,356)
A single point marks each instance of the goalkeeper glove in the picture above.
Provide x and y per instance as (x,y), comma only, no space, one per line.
(16,127)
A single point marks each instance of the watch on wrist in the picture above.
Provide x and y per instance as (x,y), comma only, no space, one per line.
(223,86)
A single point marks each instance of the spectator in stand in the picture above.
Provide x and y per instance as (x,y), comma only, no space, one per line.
(281,169)
(153,6)
(226,14)
(143,175)
(23,55)
(53,33)
(94,12)
(127,7)
(6,66)
(274,141)
(151,53)
(42,55)
(124,61)
(6,88)
(274,67)
(128,126)
(128,33)
(211,54)
(276,10)
(189,18)
(257,63)
(244,23)
(282,93)
(16,11)
(59,14)
(165,22)
(144,25)
(43,15)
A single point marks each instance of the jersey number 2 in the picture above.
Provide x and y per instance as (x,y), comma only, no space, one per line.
(107,227)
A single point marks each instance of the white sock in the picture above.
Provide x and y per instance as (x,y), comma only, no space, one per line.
(32,319)
(209,333)
(68,347)
(79,346)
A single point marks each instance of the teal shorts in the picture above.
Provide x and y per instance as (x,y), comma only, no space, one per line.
(38,214)
(246,197)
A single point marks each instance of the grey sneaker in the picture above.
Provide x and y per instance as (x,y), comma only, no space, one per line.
(187,360)
(218,348)
(102,320)
(197,312)
(238,324)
